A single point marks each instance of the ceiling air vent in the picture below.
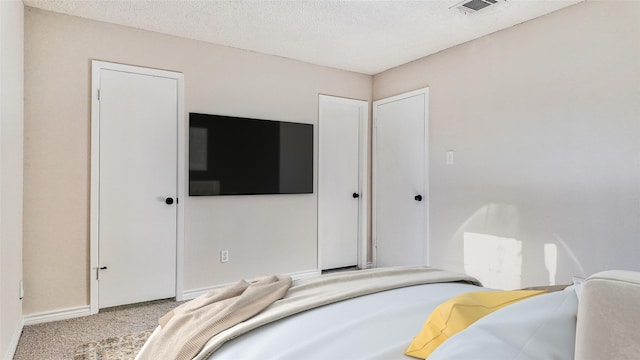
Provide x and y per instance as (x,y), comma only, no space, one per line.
(472,6)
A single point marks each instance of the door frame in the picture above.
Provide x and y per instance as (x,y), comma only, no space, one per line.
(96,68)
(363,173)
(427,198)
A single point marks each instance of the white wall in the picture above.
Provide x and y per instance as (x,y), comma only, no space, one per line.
(264,234)
(544,119)
(11,141)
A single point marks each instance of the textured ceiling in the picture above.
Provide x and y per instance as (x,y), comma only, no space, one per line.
(366,36)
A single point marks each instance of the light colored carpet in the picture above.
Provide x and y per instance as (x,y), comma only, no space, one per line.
(122,347)
(59,340)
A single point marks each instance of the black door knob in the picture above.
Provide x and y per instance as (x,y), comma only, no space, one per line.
(356,195)
(418,197)
(168,201)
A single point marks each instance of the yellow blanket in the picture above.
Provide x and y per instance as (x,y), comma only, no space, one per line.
(456,314)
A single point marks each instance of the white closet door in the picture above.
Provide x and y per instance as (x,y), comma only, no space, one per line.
(400,173)
(137,187)
(339,181)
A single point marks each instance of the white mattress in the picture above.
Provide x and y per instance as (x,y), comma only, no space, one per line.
(377,326)
(381,326)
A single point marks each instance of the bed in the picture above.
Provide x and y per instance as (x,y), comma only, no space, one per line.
(381,313)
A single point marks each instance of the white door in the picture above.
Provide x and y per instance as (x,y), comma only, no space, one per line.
(137,187)
(341,202)
(399,179)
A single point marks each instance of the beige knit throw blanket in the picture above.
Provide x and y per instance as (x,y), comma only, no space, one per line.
(186,329)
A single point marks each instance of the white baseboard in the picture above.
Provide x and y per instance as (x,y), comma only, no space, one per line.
(13,345)
(194,293)
(80,311)
(56,315)
(306,274)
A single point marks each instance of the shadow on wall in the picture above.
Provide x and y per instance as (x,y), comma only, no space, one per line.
(503,252)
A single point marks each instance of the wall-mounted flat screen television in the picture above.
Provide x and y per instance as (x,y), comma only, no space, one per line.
(242,156)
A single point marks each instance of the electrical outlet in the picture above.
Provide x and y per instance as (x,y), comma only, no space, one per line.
(224,256)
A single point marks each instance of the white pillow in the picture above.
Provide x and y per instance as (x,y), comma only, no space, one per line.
(542,327)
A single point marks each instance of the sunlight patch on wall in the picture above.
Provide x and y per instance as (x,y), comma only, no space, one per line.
(578,268)
(551,261)
(496,261)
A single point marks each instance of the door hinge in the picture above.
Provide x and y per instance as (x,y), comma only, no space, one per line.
(98,94)
(98,271)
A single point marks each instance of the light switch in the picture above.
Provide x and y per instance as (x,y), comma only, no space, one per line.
(450,157)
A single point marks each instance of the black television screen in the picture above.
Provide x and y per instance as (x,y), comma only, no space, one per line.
(241,156)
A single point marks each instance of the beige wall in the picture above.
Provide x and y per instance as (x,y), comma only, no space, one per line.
(264,234)
(544,121)
(11,141)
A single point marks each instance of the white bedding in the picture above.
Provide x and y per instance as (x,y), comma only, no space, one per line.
(381,326)
(316,292)
(377,326)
